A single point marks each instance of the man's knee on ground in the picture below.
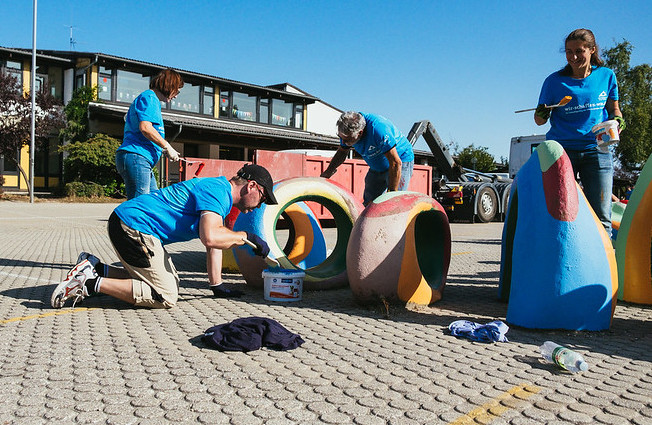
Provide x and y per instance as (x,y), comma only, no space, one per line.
(145,296)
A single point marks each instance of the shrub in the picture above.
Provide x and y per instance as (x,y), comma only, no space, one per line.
(84,190)
(115,189)
(93,161)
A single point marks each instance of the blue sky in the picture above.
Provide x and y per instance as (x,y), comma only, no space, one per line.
(464,65)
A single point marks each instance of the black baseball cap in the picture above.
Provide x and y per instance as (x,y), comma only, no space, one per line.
(261,176)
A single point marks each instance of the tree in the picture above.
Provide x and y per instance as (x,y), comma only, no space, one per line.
(635,92)
(76,111)
(478,159)
(90,157)
(15,118)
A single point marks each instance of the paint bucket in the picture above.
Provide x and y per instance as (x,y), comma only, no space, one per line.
(606,133)
(283,284)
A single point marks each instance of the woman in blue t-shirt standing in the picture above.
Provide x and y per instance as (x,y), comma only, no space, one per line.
(144,135)
(594,92)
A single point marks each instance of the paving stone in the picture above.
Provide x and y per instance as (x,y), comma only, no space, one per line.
(120,365)
(335,418)
(574,417)
(625,412)
(302,416)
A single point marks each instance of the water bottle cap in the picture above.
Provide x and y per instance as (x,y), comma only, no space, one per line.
(583,366)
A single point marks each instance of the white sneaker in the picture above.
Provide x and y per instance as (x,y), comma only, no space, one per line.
(73,285)
(88,256)
(81,257)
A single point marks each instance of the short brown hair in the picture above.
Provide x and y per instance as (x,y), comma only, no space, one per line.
(167,82)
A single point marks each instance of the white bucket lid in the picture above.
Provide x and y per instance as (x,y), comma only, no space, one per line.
(283,273)
(604,126)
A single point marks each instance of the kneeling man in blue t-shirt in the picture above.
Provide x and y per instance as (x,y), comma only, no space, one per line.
(139,229)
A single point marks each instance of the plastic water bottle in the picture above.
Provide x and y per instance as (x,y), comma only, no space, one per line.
(563,357)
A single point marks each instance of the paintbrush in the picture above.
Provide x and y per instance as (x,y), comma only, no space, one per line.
(269,260)
(562,102)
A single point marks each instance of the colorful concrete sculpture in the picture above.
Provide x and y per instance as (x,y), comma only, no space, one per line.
(306,245)
(400,248)
(331,273)
(617,211)
(558,268)
(634,242)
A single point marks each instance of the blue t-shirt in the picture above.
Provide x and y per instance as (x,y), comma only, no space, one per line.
(172,214)
(571,124)
(146,107)
(378,138)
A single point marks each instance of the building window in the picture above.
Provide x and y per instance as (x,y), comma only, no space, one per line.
(281,112)
(41,79)
(187,100)
(8,164)
(248,107)
(225,103)
(80,80)
(130,85)
(14,69)
(264,111)
(208,99)
(244,107)
(298,115)
(233,153)
(191,150)
(55,79)
(105,84)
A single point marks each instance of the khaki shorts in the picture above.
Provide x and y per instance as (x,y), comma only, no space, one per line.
(155,282)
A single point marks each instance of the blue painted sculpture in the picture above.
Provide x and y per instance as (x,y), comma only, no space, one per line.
(558,268)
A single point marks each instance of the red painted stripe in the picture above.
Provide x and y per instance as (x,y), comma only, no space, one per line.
(560,190)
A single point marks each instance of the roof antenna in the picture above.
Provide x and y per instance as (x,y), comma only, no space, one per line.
(72,40)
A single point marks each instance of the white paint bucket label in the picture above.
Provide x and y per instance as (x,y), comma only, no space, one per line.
(283,285)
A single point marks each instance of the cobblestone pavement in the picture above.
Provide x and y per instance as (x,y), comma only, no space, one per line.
(106,362)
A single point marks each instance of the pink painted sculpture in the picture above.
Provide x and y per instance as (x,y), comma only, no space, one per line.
(400,248)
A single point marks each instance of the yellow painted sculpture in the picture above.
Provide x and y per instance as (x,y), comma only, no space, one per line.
(634,243)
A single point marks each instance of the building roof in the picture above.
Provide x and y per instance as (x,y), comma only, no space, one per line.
(28,53)
(222,125)
(70,56)
(281,86)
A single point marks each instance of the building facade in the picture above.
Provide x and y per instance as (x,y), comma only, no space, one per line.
(212,117)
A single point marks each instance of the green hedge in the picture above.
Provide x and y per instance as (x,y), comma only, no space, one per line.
(84,190)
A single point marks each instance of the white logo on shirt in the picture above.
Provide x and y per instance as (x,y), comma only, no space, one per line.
(603,96)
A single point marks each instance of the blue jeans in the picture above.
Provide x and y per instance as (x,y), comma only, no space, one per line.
(136,173)
(376,182)
(595,169)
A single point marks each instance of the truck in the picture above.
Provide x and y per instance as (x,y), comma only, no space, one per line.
(520,150)
(465,194)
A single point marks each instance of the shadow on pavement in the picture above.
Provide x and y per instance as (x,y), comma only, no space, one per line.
(10,262)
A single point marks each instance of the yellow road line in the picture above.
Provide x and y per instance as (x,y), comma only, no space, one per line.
(492,409)
(462,253)
(51,313)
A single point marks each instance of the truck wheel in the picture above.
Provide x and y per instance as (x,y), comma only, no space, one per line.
(487,204)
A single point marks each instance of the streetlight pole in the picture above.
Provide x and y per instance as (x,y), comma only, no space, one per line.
(32,89)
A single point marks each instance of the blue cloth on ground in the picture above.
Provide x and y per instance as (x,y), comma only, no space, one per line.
(491,332)
(251,333)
